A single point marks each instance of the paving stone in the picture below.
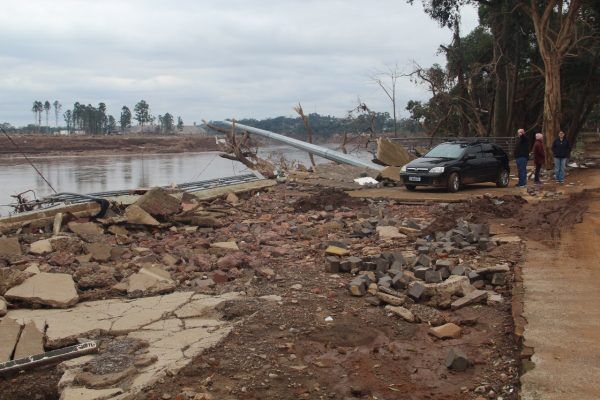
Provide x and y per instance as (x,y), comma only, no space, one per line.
(475,296)
(55,290)
(401,312)
(420,272)
(345,266)
(374,301)
(433,276)
(31,342)
(445,272)
(415,290)
(332,264)
(357,287)
(355,262)
(458,270)
(382,265)
(401,280)
(336,251)
(499,279)
(424,260)
(457,360)
(385,281)
(446,331)
(443,263)
(9,334)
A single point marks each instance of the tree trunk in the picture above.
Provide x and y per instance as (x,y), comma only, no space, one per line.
(552,106)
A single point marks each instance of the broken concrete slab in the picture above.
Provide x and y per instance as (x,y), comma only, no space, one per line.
(55,290)
(446,331)
(391,153)
(10,248)
(118,230)
(453,285)
(137,216)
(474,297)
(31,342)
(81,393)
(336,251)
(390,299)
(41,247)
(389,232)
(390,173)
(99,251)
(3,307)
(158,203)
(9,334)
(85,230)
(150,280)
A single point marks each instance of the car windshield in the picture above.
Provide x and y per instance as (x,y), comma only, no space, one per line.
(446,150)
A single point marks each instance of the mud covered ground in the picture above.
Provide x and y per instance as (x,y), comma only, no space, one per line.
(312,339)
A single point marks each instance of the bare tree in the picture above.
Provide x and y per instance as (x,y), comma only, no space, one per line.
(387,80)
(300,112)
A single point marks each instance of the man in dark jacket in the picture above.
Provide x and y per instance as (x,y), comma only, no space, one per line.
(561,149)
(521,157)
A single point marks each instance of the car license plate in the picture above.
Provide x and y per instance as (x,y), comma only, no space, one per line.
(414,178)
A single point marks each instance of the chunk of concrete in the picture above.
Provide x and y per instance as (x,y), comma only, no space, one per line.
(389,232)
(41,247)
(55,290)
(158,203)
(134,214)
(332,264)
(150,280)
(225,245)
(99,251)
(57,224)
(401,312)
(390,299)
(446,331)
(457,360)
(3,307)
(336,251)
(474,297)
(31,342)
(9,334)
(416,290)
(10,248)
(81,393)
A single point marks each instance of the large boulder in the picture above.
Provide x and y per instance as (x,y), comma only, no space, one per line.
(54,290)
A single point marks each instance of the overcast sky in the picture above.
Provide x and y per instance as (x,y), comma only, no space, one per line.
(211,59)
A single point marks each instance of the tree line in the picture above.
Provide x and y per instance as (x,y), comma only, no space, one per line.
(531,64)
(94,120)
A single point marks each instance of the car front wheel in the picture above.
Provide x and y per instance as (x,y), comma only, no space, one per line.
(410,187)
(503,178)
(453,182)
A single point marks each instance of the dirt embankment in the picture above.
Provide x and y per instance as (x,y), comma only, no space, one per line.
(92,145)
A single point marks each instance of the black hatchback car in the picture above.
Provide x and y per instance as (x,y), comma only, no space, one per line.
(453,164)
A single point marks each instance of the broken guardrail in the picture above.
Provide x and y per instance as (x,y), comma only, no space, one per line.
(320,151)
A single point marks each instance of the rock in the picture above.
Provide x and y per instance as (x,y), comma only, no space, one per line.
(494,299)
(10,277)
(32,269)
(55,290)
(424,260)
(457,360)
(421,271)
(499,279)
(94,277)
(296,286)
(232,198)
(158,203)
(336,251)
(446,331)
(401,312)
(170,260)
(225,245)
(219,276)
(31,342)
(389,299)
(271,297)
(504,239)
(332,264)
(372,300)
(358,286)
(3,307)
(428,315)
(475,296)
(10,248)
(441,263)
(392,153)
(99,251)
(266,272)
(150,280)
(61,259)
(81,393)
(401,280)
(137,216)
(232,260)
(493,269)
(9,334)
(88,231)
(416,290)
(451,286)
(41,247)
(205,284)
(389,232)
(458,270)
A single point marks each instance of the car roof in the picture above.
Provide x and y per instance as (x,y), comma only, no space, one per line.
(467,142)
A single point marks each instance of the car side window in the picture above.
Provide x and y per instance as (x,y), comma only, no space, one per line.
(474,150)
(488,151)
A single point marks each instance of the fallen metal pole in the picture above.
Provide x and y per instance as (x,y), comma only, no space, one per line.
(309,147)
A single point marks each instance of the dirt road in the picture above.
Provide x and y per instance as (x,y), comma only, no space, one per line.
(562,309)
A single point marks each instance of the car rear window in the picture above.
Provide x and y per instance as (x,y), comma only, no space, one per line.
(446,150)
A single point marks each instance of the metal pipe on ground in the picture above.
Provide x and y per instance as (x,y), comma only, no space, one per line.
(320,151)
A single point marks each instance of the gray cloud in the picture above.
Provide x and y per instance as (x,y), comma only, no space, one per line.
(210,59)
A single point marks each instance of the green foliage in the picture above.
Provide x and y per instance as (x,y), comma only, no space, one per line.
(142,113)
(179,124)
(125,120)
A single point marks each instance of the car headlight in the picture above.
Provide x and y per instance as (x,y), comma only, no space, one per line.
(403,169)
(436,170)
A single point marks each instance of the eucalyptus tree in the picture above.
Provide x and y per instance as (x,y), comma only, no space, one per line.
(179,124)
(37,109)
(142,114)
(47,107)
(125,120)
(57,108)
(68,117)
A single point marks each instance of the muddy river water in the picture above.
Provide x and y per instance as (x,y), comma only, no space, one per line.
(82,174)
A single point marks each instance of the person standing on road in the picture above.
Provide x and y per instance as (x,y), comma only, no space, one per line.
(539,156)
(521,157)
(561,149)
